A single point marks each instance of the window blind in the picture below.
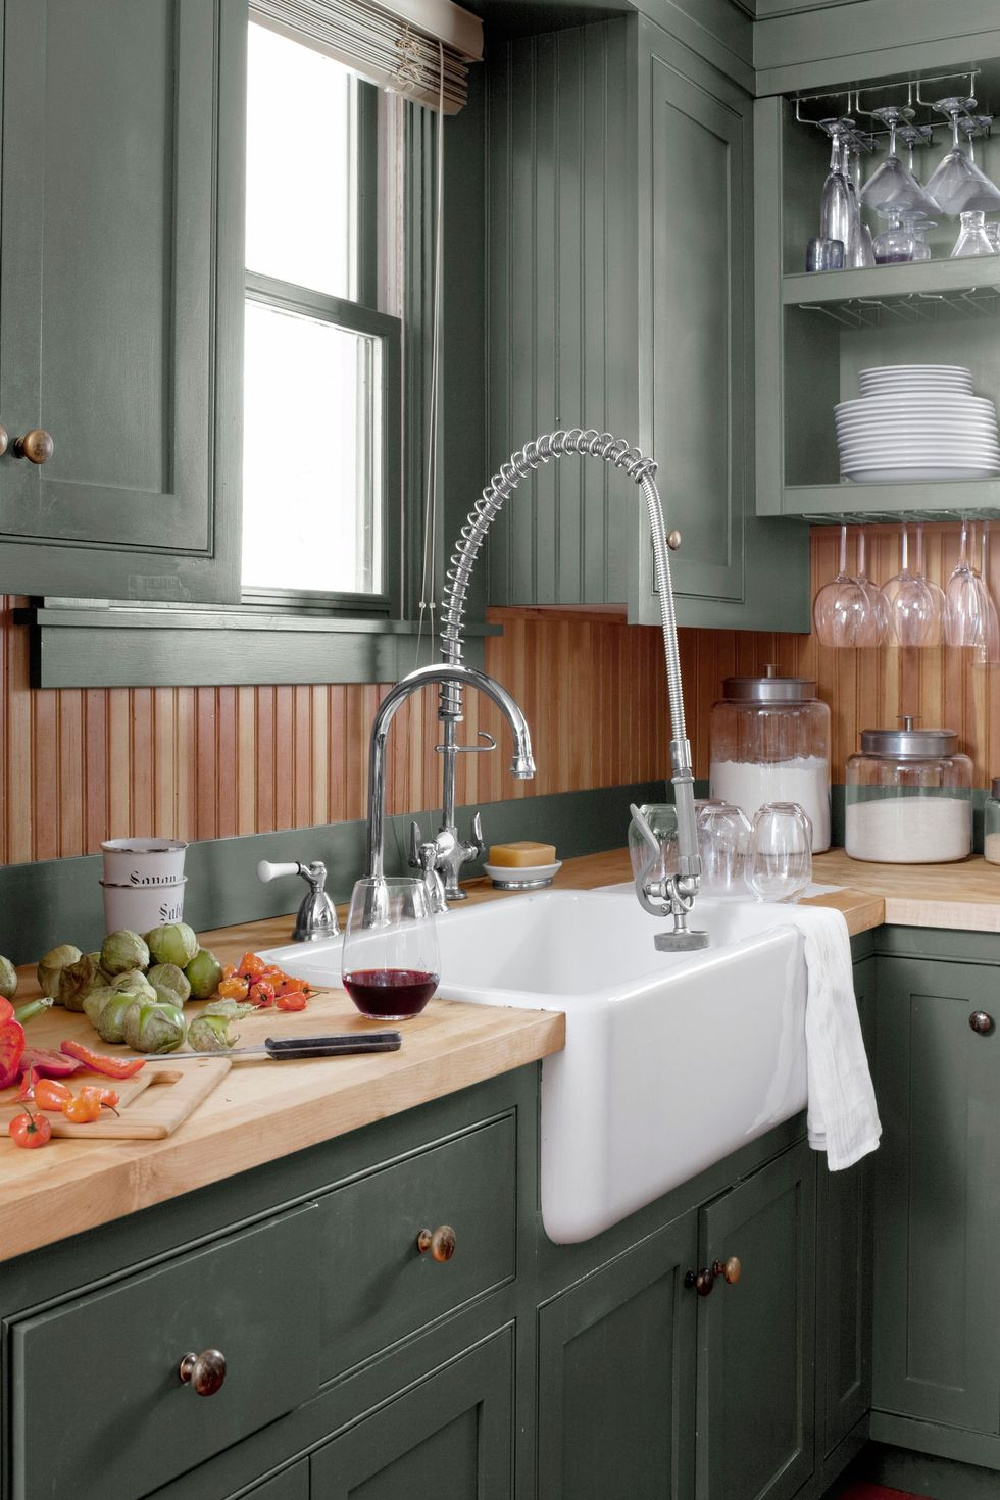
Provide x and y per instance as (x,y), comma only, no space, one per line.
(407,46)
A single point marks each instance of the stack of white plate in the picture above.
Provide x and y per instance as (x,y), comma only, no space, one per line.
(917,422)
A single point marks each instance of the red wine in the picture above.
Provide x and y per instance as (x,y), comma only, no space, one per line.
(390,994)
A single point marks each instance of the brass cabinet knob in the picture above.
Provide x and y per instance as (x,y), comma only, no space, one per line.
(981,1022)
(440,1242)
(203,1372)
(730,1270)
(702,1281)
(36,445)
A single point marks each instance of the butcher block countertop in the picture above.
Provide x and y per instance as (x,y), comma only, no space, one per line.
(70,1185)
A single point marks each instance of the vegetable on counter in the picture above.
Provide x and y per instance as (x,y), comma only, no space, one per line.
(150,1026)
(100,1062)
(170,983)
(175,943)
(78,979)
(212,1031)
(52,965)
(31,1008)
(47,1064)
(29,1130)
(203,974)
(11,1050)
(291,1000)
(123,950)
(8,979)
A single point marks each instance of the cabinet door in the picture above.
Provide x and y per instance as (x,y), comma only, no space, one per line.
(450,1435)
(756,1338)
(844,1271)
(616,1377)
(937,1209)
(121,296)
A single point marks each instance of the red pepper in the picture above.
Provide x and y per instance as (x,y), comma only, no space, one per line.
(6,1009)
(27,1089)
(291,1000)
(101,1062)
(11,1047)
(48,1064)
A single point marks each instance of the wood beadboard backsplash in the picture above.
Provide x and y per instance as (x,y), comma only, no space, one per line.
(202,763)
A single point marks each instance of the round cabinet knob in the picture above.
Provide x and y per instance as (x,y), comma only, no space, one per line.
(4,441)
(702,1281)
(440,1242)
(674,540)
(730,1270)
(203,1372)
(981,1022)
(36,445)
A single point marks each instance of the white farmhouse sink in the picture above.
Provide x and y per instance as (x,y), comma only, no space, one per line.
(671,1062)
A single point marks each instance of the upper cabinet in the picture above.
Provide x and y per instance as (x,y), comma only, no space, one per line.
(621,284)
(817,331)
(121,297)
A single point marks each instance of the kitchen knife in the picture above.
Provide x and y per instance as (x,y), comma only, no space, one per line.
(285,1049)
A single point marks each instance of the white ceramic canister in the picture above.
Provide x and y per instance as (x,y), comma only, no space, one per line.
(143,862)
(141,908)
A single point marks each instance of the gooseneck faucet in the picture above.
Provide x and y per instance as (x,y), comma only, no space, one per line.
(449,675)
(675,895)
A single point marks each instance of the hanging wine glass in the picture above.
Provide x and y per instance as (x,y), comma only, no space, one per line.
(938,633)
(909,604)
(836,218)
(967,609)
(957,183)
(841,609)
(865,254)
(877,626)
(891,185)
(988,650)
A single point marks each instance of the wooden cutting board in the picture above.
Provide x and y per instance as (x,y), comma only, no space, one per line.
(150,1106)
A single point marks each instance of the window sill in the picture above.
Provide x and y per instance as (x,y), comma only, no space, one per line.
(102,645)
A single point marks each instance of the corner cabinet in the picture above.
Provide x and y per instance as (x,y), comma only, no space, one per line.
(621,298)
(121,297)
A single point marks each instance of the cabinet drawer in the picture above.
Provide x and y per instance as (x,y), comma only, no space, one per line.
(103,1371)
(376,1286)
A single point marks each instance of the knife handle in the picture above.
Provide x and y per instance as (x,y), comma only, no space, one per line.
(286,1048)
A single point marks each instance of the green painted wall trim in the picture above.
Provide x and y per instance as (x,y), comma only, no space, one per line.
(59,900)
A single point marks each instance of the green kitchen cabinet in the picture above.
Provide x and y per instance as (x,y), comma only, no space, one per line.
(756,1337)
(616,1387)
(449,1435)
(620,297)
(937,1208)
(121,297)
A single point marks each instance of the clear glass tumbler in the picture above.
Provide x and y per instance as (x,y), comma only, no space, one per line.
(779,858)
(391,963)
(723,840)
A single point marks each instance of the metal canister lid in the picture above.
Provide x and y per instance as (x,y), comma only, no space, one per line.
(769,689)
(909,743)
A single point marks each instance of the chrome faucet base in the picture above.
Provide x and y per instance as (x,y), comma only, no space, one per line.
(317,915)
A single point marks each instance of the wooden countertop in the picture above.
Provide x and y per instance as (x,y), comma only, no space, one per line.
(71,1185)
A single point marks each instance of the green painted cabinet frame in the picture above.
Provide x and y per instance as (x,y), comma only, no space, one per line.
(121,297)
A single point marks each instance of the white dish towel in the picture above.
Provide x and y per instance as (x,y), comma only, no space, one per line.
(841,1115)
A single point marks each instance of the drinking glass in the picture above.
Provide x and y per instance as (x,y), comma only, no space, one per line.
(779,857)
(938,632)
(391,964)
(909,604)
(916,226)
(968,613)
(841,609)
(973,238)
(892,185)
(988,649)
(836,221)
(895,245)
(877,627)
(957,183)
(662,819)
(865,254)
(723,840)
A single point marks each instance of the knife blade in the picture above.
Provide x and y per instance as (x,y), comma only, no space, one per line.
(287,1049)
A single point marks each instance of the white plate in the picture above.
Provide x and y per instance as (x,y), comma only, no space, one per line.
(916,474)
(920,400)
(900,369)
(912,382)
(519,873)
(928,454)
(946,421)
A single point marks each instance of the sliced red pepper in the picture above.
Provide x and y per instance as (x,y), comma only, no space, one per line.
(102,1062)
(27,1089)
(6,1009)
(11,1047)
(48,1064)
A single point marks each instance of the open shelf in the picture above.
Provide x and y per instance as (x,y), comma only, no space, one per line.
(929,279)
(892,502)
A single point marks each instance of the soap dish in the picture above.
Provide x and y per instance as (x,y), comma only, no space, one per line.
(522,877)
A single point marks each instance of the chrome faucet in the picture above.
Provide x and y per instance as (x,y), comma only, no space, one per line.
(675,896)
(439,852)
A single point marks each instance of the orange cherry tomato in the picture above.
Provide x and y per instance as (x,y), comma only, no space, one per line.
(294,987)
(29,1131)
(273,975)
(51,1094)
(82,1108)
(293,1000)
(250,966)
(261,994)
(233,989)
(228,970)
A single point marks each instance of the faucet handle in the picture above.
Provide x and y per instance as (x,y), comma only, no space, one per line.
(413,853)
(317,916)
(476,836)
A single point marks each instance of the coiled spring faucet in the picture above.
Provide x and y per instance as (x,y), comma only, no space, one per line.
(676,895)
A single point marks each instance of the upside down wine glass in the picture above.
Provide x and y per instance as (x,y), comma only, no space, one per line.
(909,604)
(892,185)
(841,609)
(957,183)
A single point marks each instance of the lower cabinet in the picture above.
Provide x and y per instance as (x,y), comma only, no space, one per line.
(937,1210)
(449,1435)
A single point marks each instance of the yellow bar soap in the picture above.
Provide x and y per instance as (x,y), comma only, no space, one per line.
(523,852)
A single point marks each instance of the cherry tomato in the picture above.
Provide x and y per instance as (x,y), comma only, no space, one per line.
(273,975)
(228,970)
(81,1109)
(250,966)
(233,989)
(294,1000)
(294,987)
(51,1094)
(261,994)
(29,1130)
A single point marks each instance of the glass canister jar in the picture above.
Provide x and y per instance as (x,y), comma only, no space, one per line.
(769,741)
(909,797)
(991,824)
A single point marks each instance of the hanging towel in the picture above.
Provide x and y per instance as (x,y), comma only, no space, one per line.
(841,1114)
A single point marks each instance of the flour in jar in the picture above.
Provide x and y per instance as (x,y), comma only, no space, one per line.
(749,784)
(909,830)
(991,848)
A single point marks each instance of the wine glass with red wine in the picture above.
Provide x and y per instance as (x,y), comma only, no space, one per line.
(391,964)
